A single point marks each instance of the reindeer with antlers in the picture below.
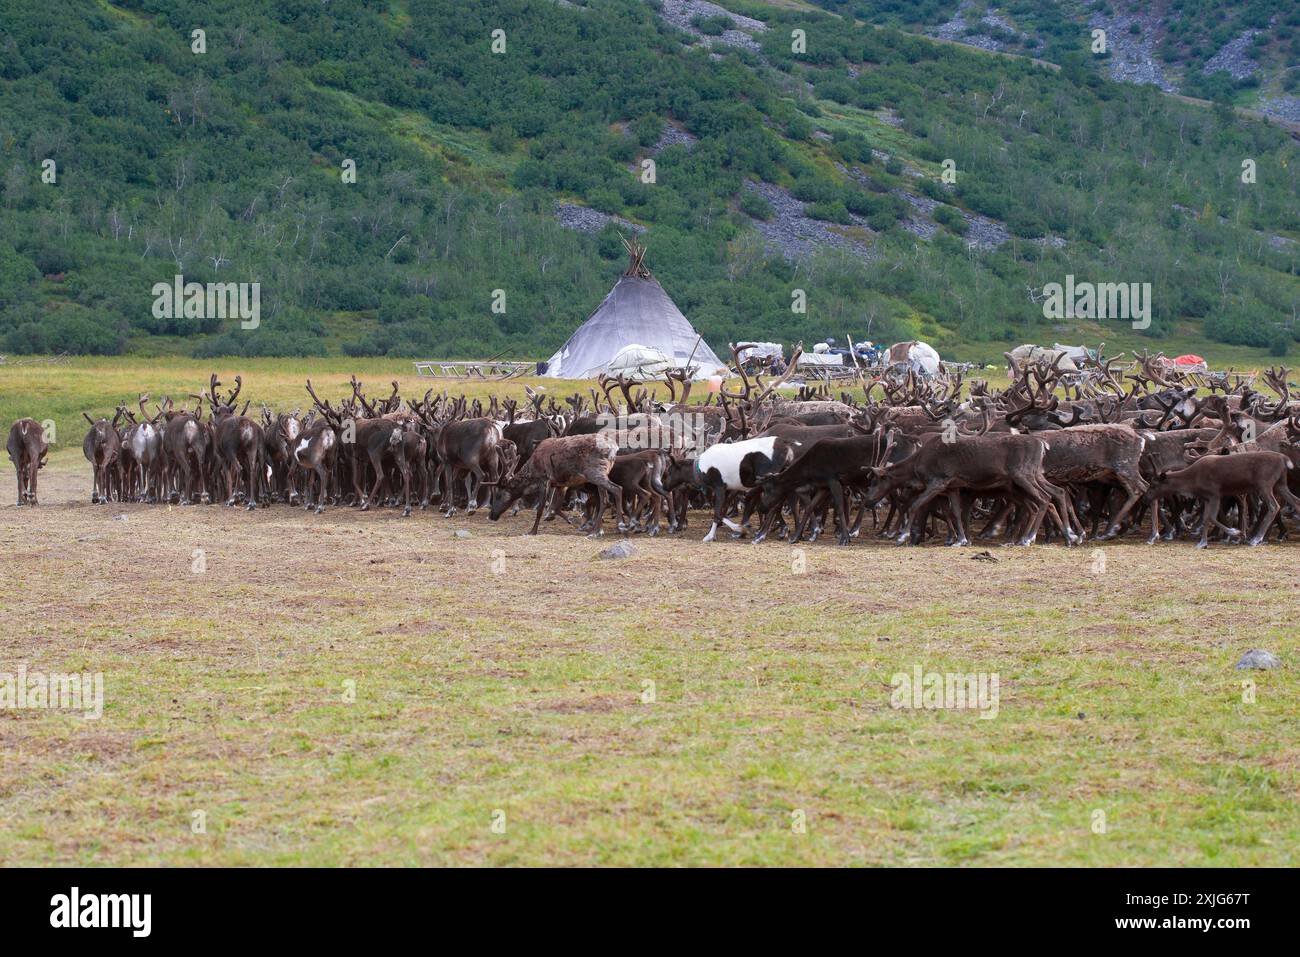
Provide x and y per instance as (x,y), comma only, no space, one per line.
(237,442)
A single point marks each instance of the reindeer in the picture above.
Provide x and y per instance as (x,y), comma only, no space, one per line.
(316,451)
(142,447)
(186,444)
(280,437)
(565,462)
(1011,464)
(467,447)
(27,450)
(237,441)
(102,448)
(829,463)
(731,468)
(1212,478)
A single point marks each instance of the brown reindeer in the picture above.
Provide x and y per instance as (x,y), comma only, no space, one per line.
(565,462)
(1010,464)
(102,448)
(1213,478)
(27,450)
(467,448)
(187,445)
(237,443)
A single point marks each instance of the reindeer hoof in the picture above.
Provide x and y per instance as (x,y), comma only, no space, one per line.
(252,506)
(319,509)
(406,512)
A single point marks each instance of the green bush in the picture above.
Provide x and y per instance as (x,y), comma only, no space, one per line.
(755,205)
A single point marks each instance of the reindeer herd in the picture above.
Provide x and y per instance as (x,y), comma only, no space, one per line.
(1095,453)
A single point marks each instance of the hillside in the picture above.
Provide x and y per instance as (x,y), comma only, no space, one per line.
(504,178)
(1246,52)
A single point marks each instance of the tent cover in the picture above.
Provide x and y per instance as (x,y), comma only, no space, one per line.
(1189,360)
(760,350)
(918,356)
(1077,354)
(637,312)
(820,359)
(639,363)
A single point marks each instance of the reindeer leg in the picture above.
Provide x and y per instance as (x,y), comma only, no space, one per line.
(1271,508)
(955,513)
(473,485)
(377,463)
(605,488)
(841,511)
(1135,488)
(541,505)
(919,510)
(254,478)
(728,522)
(719,502)
(1155,521)
(1209,516)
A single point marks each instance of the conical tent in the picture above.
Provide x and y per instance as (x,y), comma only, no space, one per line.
(638,312)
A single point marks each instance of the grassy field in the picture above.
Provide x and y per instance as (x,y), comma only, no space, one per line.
(365,689)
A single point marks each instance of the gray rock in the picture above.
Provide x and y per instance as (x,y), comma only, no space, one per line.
(1234,57)
(1282,107)
(583,219)
(1133,56)
(673,136)
(796,235)
(620,549)
(462,533)
(1258,659)
(119,518)
(680,13)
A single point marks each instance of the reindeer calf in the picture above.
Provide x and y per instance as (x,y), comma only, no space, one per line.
(1215,477)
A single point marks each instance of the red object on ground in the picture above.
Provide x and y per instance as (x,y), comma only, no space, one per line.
(1189,360)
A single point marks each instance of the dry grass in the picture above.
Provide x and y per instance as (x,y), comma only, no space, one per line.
(522,691)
